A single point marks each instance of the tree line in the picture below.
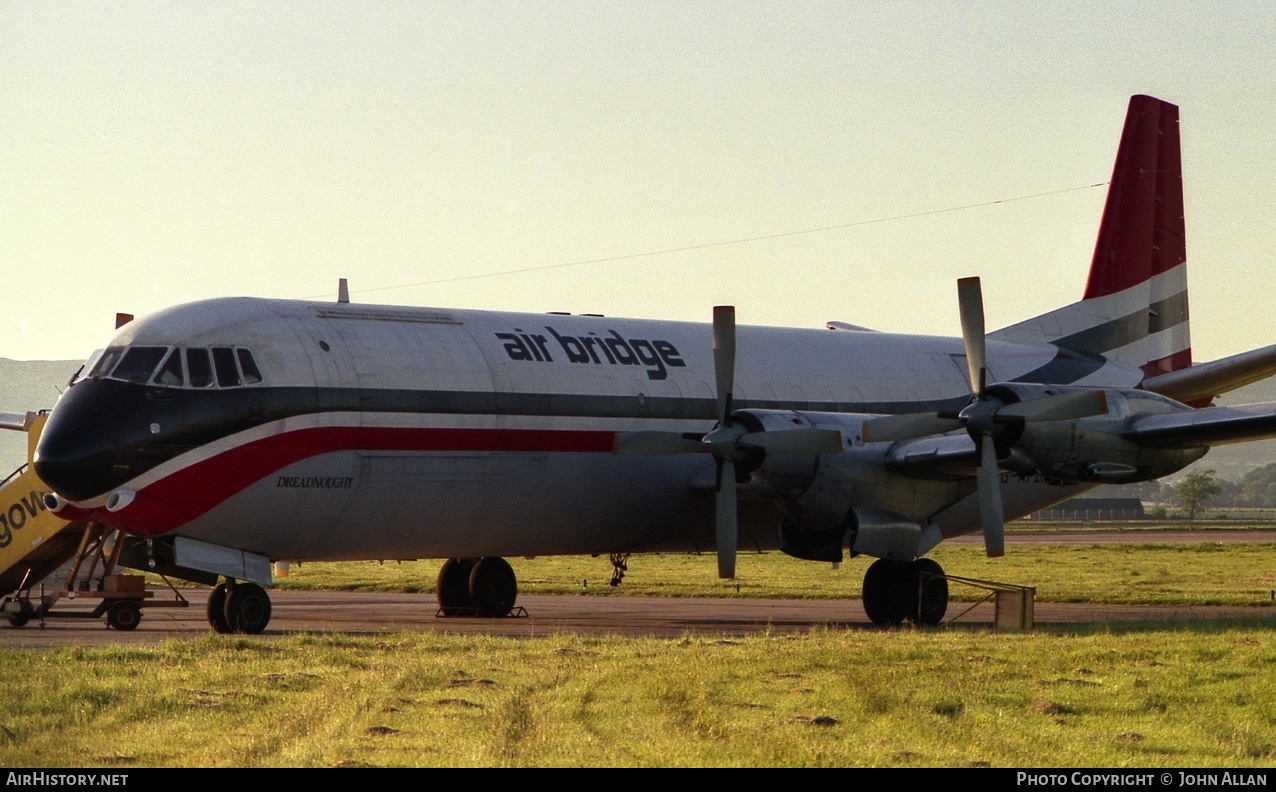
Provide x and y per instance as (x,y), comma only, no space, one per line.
(1199,488)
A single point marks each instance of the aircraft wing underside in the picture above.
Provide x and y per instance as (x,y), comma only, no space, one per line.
(1205,427)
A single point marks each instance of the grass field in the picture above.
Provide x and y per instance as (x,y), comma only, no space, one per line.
(1190,694)
(1196,573)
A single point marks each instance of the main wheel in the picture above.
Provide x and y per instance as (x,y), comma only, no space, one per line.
(247,608)
(453,589)
(124,615)
(493,587)
(928,592)
(882,592)
(217,609)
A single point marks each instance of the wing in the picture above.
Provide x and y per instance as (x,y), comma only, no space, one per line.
(1206,427)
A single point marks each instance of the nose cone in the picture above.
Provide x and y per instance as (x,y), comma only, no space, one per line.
(76,453)
(71,474)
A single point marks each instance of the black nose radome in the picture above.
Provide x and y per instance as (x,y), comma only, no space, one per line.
(77,452)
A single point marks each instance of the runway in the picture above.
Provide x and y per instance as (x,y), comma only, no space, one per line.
(375,613)
(371,613)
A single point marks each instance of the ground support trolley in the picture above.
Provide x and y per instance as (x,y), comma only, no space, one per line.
(91,577)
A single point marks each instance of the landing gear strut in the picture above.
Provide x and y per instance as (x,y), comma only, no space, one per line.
(476,587)
(899,590)
(619,566)
(238,608)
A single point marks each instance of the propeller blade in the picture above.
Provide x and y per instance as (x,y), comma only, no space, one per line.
(727,530)
(1062,407)
(796,441)
(906,427)
(991,512)
(657,443)
(970,300)
(724,358)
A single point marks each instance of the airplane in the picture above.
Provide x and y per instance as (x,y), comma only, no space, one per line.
(224,435)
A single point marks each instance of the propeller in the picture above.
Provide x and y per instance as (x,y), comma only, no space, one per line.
(980,416)
(721,441)
(984,415)
(727,441)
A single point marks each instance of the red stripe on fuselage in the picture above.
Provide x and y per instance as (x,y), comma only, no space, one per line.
(197,488)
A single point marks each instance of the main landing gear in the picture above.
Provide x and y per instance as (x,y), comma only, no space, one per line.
(899,590)
(238,608)
(476,587)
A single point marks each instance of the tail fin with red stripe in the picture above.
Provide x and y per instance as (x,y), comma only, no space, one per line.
(1135,305)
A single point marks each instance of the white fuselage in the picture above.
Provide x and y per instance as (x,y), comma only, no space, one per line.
(439,433)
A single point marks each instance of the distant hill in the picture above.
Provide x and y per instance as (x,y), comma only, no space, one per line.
(28,386)
(35,385)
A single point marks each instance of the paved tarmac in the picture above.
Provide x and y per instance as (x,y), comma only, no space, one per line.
(371,613)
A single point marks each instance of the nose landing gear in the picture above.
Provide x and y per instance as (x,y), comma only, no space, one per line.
(238,608)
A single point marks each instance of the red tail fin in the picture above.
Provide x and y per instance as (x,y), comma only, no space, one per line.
(1135,305)
(1142,239)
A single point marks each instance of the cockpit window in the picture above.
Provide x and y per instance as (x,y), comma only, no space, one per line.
(138,363)
(200,368)
(252,374)
(106,360)
(84,371)
(224,364)
(170,374)
(223,367)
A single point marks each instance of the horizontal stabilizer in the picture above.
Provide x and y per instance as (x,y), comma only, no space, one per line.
(1204,381)
(1207,427)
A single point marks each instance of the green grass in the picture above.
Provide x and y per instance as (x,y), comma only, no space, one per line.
(1190,693)
(1200,695)
(1201,573)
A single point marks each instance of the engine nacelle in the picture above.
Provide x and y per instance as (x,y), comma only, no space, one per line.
(823,497)
(1095,449)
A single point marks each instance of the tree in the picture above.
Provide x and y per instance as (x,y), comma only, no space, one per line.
(1259,486)
(1193,490)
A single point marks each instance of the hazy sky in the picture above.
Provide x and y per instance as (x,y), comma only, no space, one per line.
(153,153)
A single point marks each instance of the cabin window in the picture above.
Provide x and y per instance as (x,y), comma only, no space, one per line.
(170,373)
(200,368)
(138,363)
(252,374)
(224,364)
